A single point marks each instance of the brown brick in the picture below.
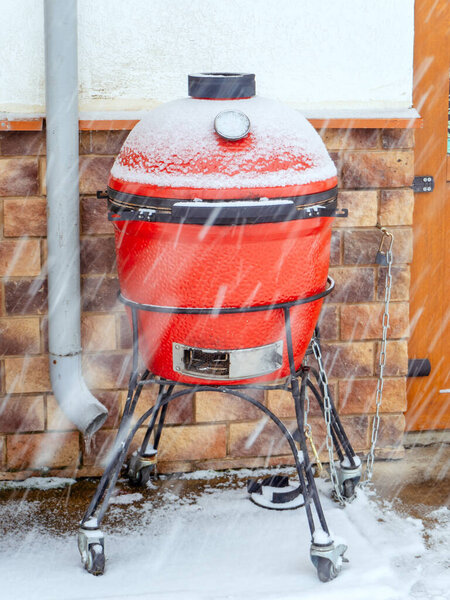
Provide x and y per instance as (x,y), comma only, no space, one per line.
(40,450)
(2,377)
(353,285)
(98,256)
(112,400)
(347,360)
(102,142)
(15,143)
(96,450)
(94,173)
(125,332)
(193,442)
(397,138)
(24,217)
(342,139)
(179,412)
(94,216)
(42,171)
(375,169)
(391,430)
(20,258)
(362,208)
(335,248)
(21,414)
(396,358)
(357,396)
(26,297)
(214,406)
(364,321)
(328,323)
(396,207)
(98,332)
(401,279)
(27,375)
(281,403)
(99,293)
(19,176)
(357,430)
(107,371)
(2,454)
(57,421)
(360,247)
(19,336)
(261,438)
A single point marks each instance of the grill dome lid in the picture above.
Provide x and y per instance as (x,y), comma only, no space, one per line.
(175,151)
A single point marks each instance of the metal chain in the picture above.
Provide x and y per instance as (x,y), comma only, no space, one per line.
(382,360)
(327,413)
(379,393)
(308,430)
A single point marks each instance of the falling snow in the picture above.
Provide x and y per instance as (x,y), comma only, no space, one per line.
(220,545)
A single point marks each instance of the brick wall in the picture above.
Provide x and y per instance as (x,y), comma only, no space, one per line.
(375,170)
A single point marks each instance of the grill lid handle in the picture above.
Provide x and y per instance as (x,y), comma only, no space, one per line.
(214,86)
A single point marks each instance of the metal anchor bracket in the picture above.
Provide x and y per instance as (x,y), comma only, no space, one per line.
(423,184)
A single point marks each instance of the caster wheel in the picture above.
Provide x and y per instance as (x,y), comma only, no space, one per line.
(142,476)
(349,489)
(95,563)
(326,571)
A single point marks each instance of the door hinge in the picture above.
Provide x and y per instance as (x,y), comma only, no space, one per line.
(419,367)
(423,183)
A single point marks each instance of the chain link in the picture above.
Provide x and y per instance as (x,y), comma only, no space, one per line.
(379,393)
(327,413)
(381,363)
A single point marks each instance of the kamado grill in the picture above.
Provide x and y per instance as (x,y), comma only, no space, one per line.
(222,205)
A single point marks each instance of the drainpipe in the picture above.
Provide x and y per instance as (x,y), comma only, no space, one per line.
(61,94)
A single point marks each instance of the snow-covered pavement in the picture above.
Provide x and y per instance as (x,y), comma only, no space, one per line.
(218,545)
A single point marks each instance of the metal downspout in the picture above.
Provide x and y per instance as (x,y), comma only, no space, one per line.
(61,91)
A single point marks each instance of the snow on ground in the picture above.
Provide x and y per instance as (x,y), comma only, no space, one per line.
(219,545)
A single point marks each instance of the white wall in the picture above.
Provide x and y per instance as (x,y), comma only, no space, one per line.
(348,54)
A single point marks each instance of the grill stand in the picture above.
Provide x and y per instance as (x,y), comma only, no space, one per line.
(326,556)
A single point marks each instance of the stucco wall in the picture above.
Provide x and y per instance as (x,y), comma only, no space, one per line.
(133,54)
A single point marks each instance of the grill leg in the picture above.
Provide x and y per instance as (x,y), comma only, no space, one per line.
(349,471)
(326,556)
(142,464)
(90,537)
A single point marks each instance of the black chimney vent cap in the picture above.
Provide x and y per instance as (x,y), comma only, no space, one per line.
(221,85)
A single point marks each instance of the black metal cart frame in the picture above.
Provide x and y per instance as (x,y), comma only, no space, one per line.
(326,557)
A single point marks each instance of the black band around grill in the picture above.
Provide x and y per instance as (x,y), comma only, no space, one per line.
(128,207)
(224,310)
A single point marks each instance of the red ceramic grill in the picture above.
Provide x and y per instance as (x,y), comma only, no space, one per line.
(222,205)
(205,220)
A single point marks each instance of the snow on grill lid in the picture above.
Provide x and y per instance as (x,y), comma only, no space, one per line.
(176,146)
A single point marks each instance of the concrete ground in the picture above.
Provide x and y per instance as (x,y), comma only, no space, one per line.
(418,484)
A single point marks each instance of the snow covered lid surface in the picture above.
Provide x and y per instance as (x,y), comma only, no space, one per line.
(175,146)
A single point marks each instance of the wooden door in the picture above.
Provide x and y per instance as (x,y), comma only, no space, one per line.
(429,397)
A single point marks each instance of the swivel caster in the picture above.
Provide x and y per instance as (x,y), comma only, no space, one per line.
(91,545)
(349,477)
(328,560)
(141,477)
(95,562)
(141,468)
(326,571)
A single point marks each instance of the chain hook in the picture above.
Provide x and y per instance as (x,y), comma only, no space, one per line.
(387,235)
